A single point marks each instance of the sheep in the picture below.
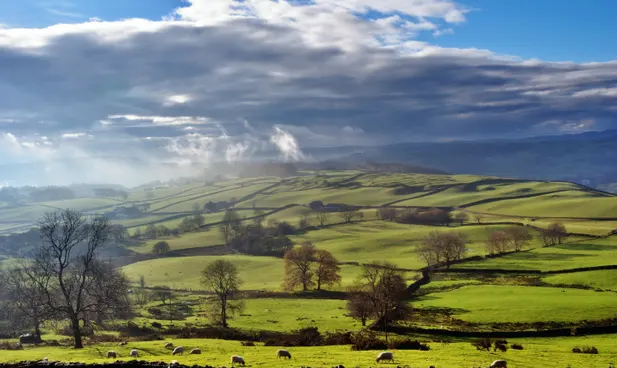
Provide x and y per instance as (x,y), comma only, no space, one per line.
(169,345)
(173,363)
(112,354)
(123,343)
(195,351)
(178,350)
(499,364)
(281,353)
(385,355)
(237,359)
(134,353)
(45,360)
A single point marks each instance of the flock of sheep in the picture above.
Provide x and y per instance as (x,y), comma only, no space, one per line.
(281,353)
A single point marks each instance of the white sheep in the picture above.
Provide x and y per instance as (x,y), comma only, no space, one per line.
(385,355)
(281,353)
(195,351)
(499,364)
(169,345)
(237,359)
(112,354)
(45,359)
(123,343)
(178,350)
(173,363)
(134,353)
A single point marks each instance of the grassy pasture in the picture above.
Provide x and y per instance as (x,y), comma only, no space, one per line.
(83,204)
(603,279)
(380,240)
(550,353)
(584,253)
(30,213)
(228,195)
(576,204)
(258,273)
(494,304)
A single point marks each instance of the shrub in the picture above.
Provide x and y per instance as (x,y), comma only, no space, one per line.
(407,344)
(6,345)
(483,344)
(501,347)
(585,350)
(247,343)
(516,346)
(157,325)
(577,350)
(367,341)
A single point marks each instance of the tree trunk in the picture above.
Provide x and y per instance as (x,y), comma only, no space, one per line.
(224,313)
(37,329)
(363,322)
(318,284)
(77,333)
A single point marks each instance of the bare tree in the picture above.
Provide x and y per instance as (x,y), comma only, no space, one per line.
(298,270)
(348,215)
(385,287)
(322,217)
(65,266)
(387,213)
(359,305)
(230,225)
(443,246)
(497,242)
(478,218)
(150,232)
(221,278)
(166,296)
(461,217)
(327,271)
(557,233)
(519,237)
(25,298)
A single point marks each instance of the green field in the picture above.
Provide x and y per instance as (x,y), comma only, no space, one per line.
(549,353)
(603,279)
(501,304)
(380,240)
(586,253)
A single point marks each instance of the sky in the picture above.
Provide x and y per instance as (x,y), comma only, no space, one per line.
(113,82)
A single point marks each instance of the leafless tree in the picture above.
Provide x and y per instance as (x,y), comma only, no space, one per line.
(166,296)
(478,218)
(66,268)
(221,278)
(349,215)
(359,305)
(497,242)
(519,237)
(443,246)
(387,213)
(461,217)
(25,298)
(556,233)
(322,217)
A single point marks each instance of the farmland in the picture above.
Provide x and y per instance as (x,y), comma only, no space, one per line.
(536,287)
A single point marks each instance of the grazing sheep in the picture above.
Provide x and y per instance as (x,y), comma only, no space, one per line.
(123,343)
(112,354)
(237,359)
(195,351)
(178,350)
(281,353)
(385,355)
(134,353)
(45,360)
(499,364)
(169,345)
(173,363)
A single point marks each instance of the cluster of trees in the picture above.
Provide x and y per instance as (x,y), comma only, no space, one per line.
(307,266)
(51,193)
(433,216)
(444,247)
(255,238)
(514,238)
(380,293)
(111,193)
(554,234)
(64,279)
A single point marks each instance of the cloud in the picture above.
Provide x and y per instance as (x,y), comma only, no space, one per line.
(73,135)
(316,74)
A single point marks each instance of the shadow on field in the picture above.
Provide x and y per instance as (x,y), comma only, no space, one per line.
(586,246)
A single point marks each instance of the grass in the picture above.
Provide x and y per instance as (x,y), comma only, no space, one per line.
(586,253)
(574,204)
(292,314)
(186,241)
(30,213)
(381,240)
(258,273)
(604,279)
(525,304)
(549,353)
(83,204)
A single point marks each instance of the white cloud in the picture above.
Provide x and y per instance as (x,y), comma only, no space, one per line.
(177,100)
(287,145)
(165,120)
(73,135)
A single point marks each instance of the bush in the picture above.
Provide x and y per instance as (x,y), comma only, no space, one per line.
(364,340)
(6,345)
(157,325)
(577,350)
(161,247)
(516,346)
(247,343)
(407,344)
(483,344)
